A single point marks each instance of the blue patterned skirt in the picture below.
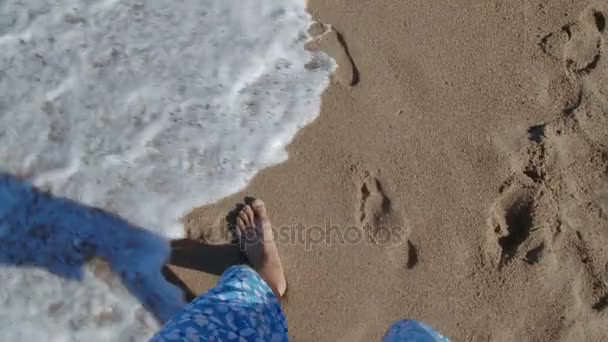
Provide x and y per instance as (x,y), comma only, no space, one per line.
(243,308)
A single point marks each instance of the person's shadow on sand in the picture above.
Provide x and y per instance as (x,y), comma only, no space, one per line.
(209,257)
(61,236)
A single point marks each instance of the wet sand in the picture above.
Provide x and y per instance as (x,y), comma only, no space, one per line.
(458,175)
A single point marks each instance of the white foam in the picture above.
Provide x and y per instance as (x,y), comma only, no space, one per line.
(146,109)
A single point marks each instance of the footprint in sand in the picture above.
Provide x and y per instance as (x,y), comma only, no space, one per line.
(513,221)
(378,215)
(381,220)
(524,226)
(327,39)
(597,294)
(516,230)
(583,56)
(583,50)
(552,207)
(523,222)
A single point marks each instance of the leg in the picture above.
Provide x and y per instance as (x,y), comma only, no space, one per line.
(244,305)
(256,236)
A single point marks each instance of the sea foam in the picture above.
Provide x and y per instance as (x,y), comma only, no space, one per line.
(145,109)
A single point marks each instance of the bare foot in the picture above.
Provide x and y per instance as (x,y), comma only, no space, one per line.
(256,237)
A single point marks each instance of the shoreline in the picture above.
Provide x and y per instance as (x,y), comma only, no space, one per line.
(439,140)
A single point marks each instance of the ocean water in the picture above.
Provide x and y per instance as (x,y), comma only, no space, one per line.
(143,109)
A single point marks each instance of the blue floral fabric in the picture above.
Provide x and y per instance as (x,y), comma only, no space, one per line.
(243,308)
(412,331)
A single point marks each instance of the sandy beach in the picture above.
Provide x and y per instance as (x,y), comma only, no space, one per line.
(457,174)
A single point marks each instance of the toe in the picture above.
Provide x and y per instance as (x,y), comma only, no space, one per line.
(259,209)
(241,224)
(249,212)
(245,218)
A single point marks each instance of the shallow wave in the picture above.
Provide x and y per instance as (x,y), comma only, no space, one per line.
(148,109)
(145,109)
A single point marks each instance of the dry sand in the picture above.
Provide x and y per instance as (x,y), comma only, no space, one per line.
(476,133)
